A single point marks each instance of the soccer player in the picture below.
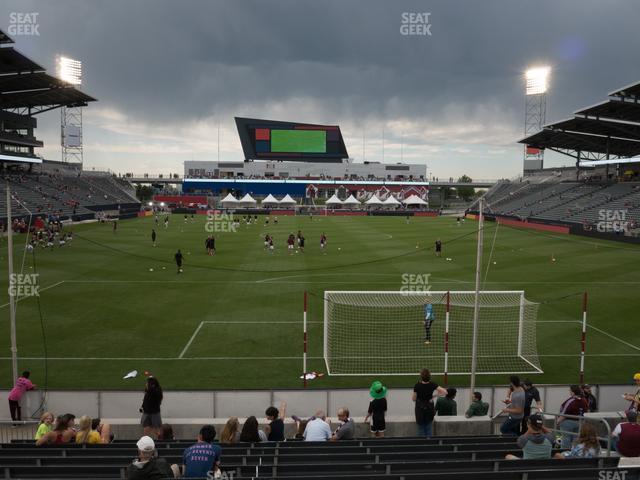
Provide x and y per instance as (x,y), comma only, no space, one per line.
(271,247)
(300,241)
(438,248)
(155,219)
(267,239)
(323,241)
(212,245)
(166,221)
(153,236)
(178,257)
(186,219)
(290,243)
(115,226)
(429,318)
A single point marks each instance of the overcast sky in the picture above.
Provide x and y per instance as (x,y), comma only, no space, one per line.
(167,73)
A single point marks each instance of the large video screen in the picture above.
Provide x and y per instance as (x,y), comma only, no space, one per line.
(303,141)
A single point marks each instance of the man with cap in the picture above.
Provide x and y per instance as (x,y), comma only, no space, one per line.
(148,465)
(634,399)
(377,409)
(626,436)
(590,398)
(536,442)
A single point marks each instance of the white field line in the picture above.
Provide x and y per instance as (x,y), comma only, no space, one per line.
(195,333)
(614,337)
(41,290)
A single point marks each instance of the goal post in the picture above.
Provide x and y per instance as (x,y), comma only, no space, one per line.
(385,333)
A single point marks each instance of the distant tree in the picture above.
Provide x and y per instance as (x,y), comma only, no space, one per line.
(144,192)
(479,193)
(466,193)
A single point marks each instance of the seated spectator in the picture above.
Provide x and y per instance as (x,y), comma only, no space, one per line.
(166,432)
(86,434)
(536,442)
(347,428)
(202,459)
(45,425)
(478,408)
(626,436)
(148,465)
(63,432)
(250,432)
(301,427)
(275,429)
(574,405)
(231,431)
(98,426)
(317,429)
(588,445)
(447,406)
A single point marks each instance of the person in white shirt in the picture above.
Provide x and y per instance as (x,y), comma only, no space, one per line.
(318,430)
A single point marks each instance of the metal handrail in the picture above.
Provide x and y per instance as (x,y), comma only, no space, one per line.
(581,419)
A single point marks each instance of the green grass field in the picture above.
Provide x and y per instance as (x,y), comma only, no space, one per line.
(105,313)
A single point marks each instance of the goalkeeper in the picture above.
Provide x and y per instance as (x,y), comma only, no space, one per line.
(429,317)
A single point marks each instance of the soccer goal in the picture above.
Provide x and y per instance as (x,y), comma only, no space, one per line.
(385,333)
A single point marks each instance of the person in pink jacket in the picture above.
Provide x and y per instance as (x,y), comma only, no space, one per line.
(15,395)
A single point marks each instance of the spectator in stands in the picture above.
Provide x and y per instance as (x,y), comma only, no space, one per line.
(45,425)
(478,408)
(634,398)
(98,426)
(86,434)
(250,432)
(202,459)
(347,428)
(317,429)
(231,431)
(63,432)
(590,398)
(22,385)
(447,406)
(587,446)
(301,427)
(536,442)
(151,420)
(424,409)
(574,405)
(275,429)
(514,408)
(626,436)
(531,393)
(148,465)
(166,432)
(377,409)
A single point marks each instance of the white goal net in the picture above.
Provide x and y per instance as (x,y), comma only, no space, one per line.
(385,333)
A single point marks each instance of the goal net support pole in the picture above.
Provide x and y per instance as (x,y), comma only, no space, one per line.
(583,341)
(304,341)
(446,340)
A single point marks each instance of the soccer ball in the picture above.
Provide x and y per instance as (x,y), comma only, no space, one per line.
(151,269)
(495,263)
(448,259)
(339,248)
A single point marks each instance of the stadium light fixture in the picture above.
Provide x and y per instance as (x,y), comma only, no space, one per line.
(537,80)
(69,70)
(151,204)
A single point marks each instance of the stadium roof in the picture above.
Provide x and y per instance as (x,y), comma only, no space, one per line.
(4,38)
(52,97)
(12,61)
(585,144)
(613,109)
(632,90)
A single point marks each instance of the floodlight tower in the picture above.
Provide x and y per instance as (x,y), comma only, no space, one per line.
(536,86)
(70,71)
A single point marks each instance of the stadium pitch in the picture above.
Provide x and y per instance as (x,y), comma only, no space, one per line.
(110,302)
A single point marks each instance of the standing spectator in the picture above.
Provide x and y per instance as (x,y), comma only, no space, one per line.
(148,465)
(377,409)
(478,408)
(574,405)
(588,445)
(514,408)
(15,395)
(634,398)
(250,431)
(590,398)
(317,429)
(531,393)
(446,406)
(626,436)
(347,428)
(151,419)
(275,429)
(201,459)
(536,442)
(231,431)
(45,425)
(423,392)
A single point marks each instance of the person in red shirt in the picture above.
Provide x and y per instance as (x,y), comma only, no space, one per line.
(574,405)
(626,436)
(15,395)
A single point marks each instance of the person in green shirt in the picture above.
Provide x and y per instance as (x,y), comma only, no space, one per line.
(447,406)
(45,426)
(478,408)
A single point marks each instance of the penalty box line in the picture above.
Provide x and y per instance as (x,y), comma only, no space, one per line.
(53,285)
(230,322)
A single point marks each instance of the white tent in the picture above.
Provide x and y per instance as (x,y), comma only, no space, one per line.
(287,200)
(247,200)
(352,201)
(269,200)
(334,200)
(391,201)
(374,201)
(414,200)
(229,201)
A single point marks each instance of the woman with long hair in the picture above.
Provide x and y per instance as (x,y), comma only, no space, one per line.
(151,420)
(86,434)
(587,446)
(250,432)
(231,431)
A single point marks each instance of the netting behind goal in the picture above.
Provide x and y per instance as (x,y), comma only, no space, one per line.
(383,333)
